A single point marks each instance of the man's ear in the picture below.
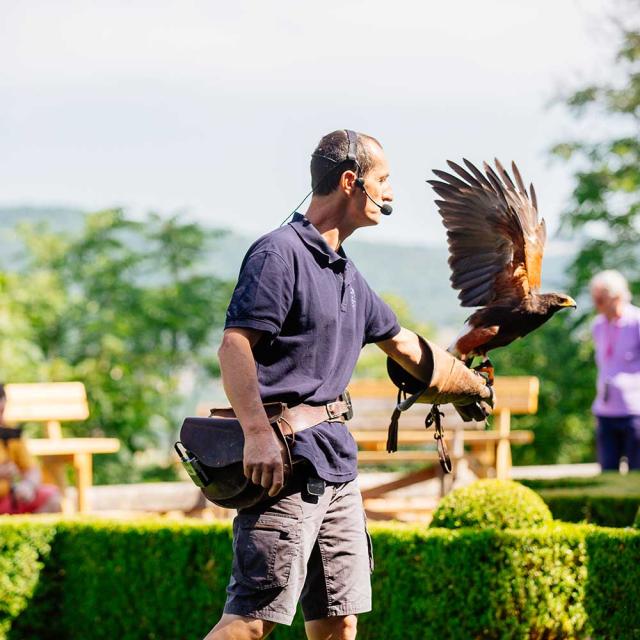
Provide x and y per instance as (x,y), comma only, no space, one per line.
(348,182)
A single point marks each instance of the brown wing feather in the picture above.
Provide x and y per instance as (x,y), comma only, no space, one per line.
(495,240)
(534,231)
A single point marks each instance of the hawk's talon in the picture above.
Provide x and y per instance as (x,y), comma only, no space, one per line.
(485,368)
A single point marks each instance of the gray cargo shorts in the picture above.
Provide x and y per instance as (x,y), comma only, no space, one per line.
(301,548)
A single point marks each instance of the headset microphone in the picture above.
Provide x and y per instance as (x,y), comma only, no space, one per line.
(385,209)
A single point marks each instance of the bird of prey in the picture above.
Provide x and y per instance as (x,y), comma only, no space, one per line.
(496,243)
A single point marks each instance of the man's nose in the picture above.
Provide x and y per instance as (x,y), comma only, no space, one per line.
(387,196)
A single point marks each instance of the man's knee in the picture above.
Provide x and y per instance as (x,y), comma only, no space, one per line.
(349,627)
(334,628)
(232,627)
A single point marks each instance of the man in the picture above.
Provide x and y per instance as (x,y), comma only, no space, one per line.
(616,336)
(298,318)
(20,488)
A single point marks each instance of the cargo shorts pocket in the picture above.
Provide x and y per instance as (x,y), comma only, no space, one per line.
(265,547)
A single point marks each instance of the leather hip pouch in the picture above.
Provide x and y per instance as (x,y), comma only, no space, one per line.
(211,449)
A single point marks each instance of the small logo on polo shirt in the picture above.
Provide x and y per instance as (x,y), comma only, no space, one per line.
(353,297)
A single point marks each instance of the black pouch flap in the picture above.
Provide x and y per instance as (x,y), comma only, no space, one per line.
(217,442)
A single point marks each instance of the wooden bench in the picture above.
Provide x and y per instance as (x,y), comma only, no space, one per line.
(486,452)
(51,404)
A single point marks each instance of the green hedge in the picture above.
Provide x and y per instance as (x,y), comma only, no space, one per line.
(609,511)
(609,499)
(75,580)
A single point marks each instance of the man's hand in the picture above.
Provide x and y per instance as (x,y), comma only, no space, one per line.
(482,409)
(25,491)
(477,411)
(263,460)
(478,386)
(8,471)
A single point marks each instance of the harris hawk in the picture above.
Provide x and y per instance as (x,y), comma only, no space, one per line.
(496,245)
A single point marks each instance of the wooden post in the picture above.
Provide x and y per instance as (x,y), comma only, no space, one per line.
(54,430)
(84,470)
(503,449)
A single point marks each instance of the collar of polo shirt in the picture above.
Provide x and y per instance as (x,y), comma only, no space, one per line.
(314,240)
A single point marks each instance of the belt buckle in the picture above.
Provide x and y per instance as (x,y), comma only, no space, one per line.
(332,410)
(346,396)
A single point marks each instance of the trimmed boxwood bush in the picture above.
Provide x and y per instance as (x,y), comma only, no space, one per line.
(500,504)
(609,499)
(75,580)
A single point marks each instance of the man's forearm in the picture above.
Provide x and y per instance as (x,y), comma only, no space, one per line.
(262,457)
(241,382)
(408,351)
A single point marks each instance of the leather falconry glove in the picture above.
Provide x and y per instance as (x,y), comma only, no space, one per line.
(450,381)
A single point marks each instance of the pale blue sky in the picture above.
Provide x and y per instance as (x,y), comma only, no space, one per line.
(214,108)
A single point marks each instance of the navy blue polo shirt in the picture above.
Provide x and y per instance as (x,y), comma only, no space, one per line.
(316,312)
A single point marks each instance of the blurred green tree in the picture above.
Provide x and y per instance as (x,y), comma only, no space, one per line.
(604,212)
(560,354)
(127,307)
(603,217)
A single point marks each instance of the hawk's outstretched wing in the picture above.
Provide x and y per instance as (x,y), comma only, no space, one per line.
(495,240)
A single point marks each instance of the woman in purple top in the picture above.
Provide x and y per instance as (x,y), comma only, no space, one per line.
(616,335)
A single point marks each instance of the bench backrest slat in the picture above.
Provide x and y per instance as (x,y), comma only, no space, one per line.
(46,402)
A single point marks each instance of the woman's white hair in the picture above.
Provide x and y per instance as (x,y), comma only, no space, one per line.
(613,282)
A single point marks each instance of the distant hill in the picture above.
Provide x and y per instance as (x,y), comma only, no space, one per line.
(60,218)
(56,218)
(419,274)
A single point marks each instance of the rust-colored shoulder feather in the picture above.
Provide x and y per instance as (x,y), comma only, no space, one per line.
(496,242)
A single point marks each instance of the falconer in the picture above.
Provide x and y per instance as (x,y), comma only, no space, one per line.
(298,318)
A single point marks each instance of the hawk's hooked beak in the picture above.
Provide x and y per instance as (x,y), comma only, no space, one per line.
(569,302)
